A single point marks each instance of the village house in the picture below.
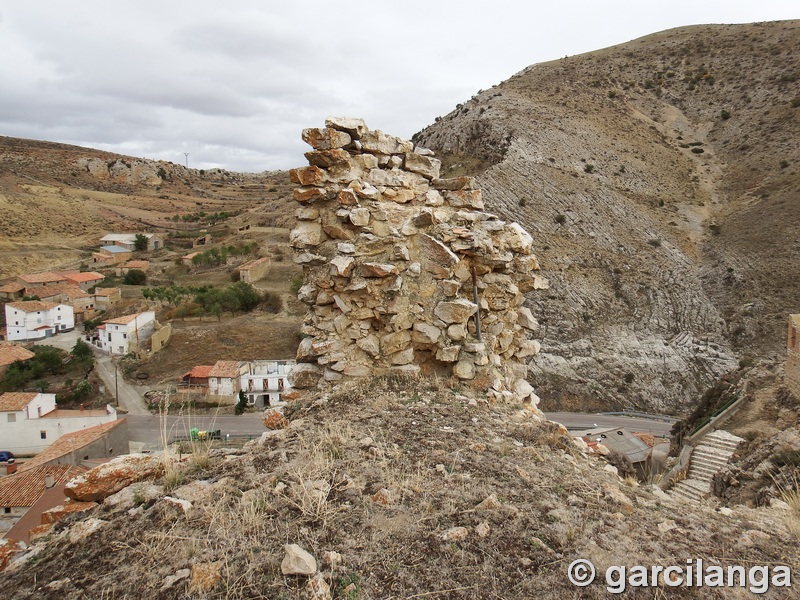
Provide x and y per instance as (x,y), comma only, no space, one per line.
(12,291)
(187,259)
(82,303)
(224,380)
(103,441)
(252,271)
(33,319)
(34,280)
(125,334)
(265,381)
(86,280)
(155,241)
(30,421)
(141,265)
(11,353)
(105,298)
(111,255)
(20,492)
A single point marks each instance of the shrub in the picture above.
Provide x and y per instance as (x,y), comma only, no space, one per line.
(784,164)
(725,115)
(560,219)
(135,277)
(588,168)
(297,283)
(272,302)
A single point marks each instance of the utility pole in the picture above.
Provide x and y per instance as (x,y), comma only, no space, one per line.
(186,154)
(116,381)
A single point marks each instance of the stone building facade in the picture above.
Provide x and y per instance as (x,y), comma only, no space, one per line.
(404,271)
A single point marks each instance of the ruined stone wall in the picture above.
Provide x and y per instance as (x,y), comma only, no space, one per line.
(791,372)
(388,253)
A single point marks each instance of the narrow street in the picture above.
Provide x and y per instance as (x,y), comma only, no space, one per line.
(130,396)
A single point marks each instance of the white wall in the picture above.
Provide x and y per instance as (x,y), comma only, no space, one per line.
(22,325)
(23,436)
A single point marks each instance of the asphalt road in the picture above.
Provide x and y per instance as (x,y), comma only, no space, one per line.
(576,422)
(146,431)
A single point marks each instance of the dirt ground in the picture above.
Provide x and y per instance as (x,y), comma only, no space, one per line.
(251,336)
(419,492)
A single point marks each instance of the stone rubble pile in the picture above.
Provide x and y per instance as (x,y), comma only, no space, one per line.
(389,252)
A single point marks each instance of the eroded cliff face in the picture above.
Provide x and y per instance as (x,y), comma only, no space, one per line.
(657,180)
(404,271)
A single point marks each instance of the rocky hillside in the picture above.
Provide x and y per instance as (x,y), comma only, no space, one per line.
(658,178)
(387,488)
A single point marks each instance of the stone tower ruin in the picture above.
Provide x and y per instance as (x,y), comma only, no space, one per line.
(404,271)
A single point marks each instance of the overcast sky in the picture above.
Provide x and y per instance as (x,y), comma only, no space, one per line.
(233,83)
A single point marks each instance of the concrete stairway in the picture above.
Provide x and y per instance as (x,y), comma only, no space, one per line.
(710,455)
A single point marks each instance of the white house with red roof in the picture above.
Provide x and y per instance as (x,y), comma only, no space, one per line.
(31,421)
(86,280)
(125,334)
(34,320)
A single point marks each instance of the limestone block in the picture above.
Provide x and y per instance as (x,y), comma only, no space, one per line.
(109,478)
(345,248)
(370,269)
(458,332)
(516,238)
(359,217)
(424,333)
(342,266)
(528,348)
(400,252)
(357,371)
(526,319)
(309,195)
(328,158)
(455,311)
(310,259)
(304,375)
(401,196)
(395,178)
(306,233)
(307,294)
(305,350)
(426,166)
(297,561)
(310,175)
(306,213)
(403,357)
(449,287)
(370,345)
(436,258)
(464,369)
(540,283)
(365,191)
(325,139)
(522,388)
(377,142)
(456,183)
(434,198)
(448,353)
(394,342)
(355,127)
(347,197)
(462,198)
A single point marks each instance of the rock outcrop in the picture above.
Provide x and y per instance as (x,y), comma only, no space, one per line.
(404,271)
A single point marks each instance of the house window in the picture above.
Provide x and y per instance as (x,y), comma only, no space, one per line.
(12,417)
(122,349)
(7,509)
(43,435)
(124,336)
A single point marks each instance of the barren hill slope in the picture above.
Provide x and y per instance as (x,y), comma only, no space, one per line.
(56,200)
(659,179)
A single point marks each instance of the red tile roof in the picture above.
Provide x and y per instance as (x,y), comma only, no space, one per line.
(12,288)
(69,442)
(105,291)
(32,305)
(14,401)
(11,354)
(47,276)
(47,291)
(225,368)
(253,263)
(124,320)
(200,372)
(24,488)
(85,277)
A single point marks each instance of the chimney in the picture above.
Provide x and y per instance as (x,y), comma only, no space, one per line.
(49,481)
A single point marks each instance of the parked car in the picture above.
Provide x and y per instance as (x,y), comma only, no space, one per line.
(6,456)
